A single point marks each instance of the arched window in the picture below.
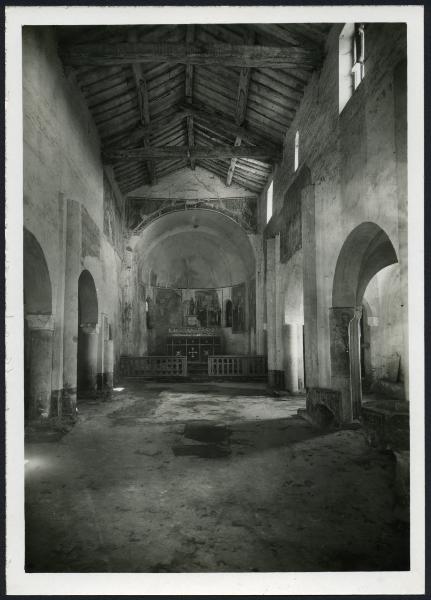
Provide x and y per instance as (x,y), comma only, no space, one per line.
(228,313)
(296,150)
(269,203)
(351,61)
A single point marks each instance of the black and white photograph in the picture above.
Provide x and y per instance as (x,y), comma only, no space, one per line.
(214,299)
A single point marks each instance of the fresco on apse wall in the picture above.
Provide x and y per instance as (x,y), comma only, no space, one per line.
(252,303)
(207,308)
(142,210)
(90,241)
(112,218)
(168,309)
(238,308)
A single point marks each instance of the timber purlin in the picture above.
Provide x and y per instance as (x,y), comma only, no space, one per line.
(191,86)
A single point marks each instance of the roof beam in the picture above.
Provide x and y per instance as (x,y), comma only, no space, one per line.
(233,55)
(241,105)
(219,122)
(263,153)
(144,108)
(190,36)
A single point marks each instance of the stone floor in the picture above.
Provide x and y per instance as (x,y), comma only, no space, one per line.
(208,478)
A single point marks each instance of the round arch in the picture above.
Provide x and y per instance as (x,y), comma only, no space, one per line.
(366,250)
(194,248)
(37,282)
(87,299)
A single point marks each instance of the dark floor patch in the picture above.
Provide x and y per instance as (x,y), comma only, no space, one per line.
(206,432)
(201,450)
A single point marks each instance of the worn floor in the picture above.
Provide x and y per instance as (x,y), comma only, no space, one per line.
(203,478)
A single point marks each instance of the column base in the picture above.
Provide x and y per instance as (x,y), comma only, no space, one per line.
(68,403)
(276,379)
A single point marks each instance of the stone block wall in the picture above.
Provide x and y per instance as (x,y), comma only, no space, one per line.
(357,175)
(63,200)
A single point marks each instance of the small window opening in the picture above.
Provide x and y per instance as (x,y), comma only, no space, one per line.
(296,150)
(351,61)
(269,203)
(228,314)
(358,69)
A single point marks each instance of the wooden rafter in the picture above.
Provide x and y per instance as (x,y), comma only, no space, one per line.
(263,153)
(220,123)
(241,106)
(190,36)
(234,55)
(144,108)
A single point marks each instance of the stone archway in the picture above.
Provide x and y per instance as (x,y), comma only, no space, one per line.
(88,329)
(38,330)
(366,250)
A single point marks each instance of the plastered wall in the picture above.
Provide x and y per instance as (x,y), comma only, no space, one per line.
(357,171)
(63,196)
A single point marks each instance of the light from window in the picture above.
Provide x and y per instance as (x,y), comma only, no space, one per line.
(358,69)
(296,150)
(269,203)
(351,65)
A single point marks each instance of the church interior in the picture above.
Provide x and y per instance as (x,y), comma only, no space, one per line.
(216,365)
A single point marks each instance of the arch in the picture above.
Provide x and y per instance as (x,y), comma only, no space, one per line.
(366,250)
(88,307)
(87,348)
(228,312)
(37,282)
(194,248)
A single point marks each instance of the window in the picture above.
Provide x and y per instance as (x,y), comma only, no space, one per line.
(269,203)
(296,150)
(228,314)
(351,61)
(358,69)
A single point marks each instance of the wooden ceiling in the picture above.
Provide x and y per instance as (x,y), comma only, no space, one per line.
(165,97)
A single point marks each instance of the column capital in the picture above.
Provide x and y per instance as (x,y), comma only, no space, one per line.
(90,328)
(39,321)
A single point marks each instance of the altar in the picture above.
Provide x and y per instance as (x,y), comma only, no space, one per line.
(194,342)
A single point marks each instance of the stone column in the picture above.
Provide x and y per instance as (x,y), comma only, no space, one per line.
(270,311)
(345,359)
(355,362)
(260,296)
(39,384)
(400,123)
(109,364)
(291,353)
(311,365)
(88,357)
(279,317)
(70,336)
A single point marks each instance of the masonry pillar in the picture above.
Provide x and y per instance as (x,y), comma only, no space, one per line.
(400,123)
(39,353)
(345,359)
(88,343)
(291,353)
(70,336)
(279,317)
(271,312)
(109,364)
(311,366)
(260,296)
